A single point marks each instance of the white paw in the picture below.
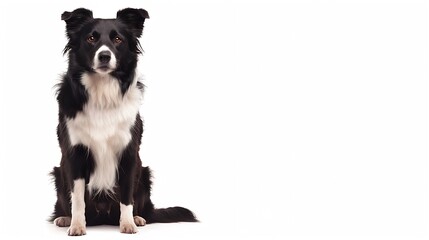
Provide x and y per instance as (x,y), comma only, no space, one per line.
(62,221)
(76,229)
(127,227)
(139,221)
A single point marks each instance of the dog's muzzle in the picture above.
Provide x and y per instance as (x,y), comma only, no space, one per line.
(104,60)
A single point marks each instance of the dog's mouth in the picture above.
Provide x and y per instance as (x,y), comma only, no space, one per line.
(103,68)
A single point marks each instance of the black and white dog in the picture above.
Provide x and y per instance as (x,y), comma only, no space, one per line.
(101,179)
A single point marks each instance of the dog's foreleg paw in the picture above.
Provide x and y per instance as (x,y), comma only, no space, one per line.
(127,227)
(76,230)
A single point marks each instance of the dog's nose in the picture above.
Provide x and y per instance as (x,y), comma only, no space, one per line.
(104,56)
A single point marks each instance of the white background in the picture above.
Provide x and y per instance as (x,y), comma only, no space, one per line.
(268,119)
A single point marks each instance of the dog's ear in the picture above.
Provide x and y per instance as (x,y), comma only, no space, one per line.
(133,18)
(74,20)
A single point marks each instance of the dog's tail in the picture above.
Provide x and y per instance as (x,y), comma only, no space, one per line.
(170,215)
(159,215)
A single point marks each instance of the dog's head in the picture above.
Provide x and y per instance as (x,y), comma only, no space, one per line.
(104,45)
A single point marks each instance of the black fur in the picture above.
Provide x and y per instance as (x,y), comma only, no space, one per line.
(103,209)
(77,162)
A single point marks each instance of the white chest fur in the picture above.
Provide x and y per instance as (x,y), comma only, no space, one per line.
(104,125)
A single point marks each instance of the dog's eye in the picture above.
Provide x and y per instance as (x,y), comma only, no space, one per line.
(117,40)
(90,39)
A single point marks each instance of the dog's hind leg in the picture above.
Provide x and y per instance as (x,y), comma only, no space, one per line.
(143,205)
(61,216)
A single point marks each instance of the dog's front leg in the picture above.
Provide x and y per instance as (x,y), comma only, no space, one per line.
(127,173)
(77,160)
(78,223)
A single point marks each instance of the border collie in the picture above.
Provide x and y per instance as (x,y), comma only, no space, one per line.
(100,179)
